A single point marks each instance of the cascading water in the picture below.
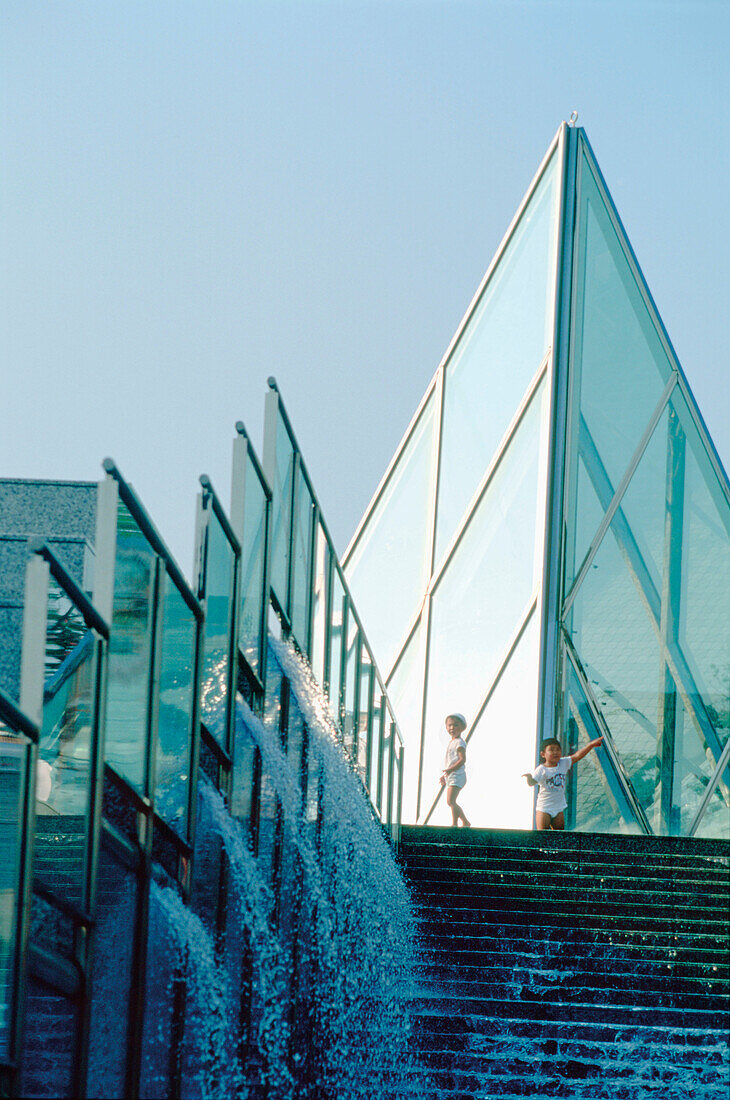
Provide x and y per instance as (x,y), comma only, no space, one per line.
(187,990)
(304,990)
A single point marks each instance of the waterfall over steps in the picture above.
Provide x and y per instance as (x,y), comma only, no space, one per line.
(570,965)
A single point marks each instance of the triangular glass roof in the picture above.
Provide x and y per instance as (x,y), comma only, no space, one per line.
(552,538)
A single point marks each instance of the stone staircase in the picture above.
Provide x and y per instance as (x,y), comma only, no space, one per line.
(570,965)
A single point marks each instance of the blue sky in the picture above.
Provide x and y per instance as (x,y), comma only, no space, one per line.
(194,196)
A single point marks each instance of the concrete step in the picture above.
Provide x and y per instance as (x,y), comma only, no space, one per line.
(505,1034)
(695,945)
(570,965)
(662,980)
(573,898)
(414,837)
(459,873)
(434,1002)
(460,920)
(448,955)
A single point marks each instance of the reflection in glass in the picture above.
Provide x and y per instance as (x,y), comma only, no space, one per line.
(116,907)
(716,818)
(390,564)
(618,647)
(645,502)
(587,515)
(501,747)
(14,762)
(175,722)
(281,515)
(319,601)
(220,562)
(64,764)
(253,557)
(48,1074)
(619,362)
(693,768)
(479,602)
(405,691)
(164,984)
(336,625)
(596,797)
(130,652)
(302,550)
(704,618)
(497,355)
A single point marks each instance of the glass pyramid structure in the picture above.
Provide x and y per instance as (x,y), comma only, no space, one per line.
(549,549)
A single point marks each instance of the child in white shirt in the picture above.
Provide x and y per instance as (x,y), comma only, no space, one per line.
(550,778)
(453,777)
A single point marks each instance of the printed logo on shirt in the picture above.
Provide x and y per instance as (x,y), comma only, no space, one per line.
(556,781)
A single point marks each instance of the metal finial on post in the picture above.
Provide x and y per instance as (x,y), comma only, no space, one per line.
(573,118)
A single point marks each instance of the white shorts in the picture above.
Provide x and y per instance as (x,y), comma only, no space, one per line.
(454,780)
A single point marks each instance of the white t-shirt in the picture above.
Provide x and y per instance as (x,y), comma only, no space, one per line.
(551,797)
(452,754)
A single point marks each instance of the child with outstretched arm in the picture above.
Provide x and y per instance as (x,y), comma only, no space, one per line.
(550,778)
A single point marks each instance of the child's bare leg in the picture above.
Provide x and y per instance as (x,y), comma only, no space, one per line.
(542,820)
(462,815)
(457,814)
(558,822)
(451,794)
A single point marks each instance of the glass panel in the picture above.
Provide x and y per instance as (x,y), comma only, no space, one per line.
(693,767)
(644,503)
(405,692)
(385,768)
(269,819)
(587,515)
(253,557)
(175,724)
(130,649)
(14,760)
(500,748)
(351,679)
(301,563)
(111,979)
(389,568)
(49,927)
(49,1043)
(220,562)
(64,766)
(296,741)
(597,801)
(619,649)
(244,766)
(281,515)
(704,617)
(335,671)
(479,601)
(376,744)
(319,597)
(164,1003)
(365,704)
(497,355)
(619,364)
(716,818)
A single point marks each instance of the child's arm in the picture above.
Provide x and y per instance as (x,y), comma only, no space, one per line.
(530,781)
(576,756)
